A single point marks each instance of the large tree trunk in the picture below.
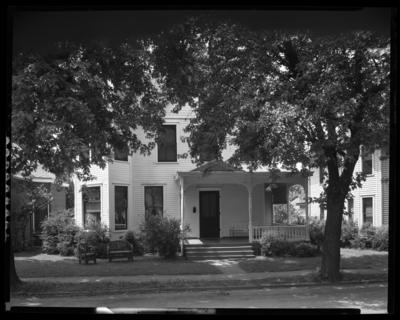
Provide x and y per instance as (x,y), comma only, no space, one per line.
(331,246)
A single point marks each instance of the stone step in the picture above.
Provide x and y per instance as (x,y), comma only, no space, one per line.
(218,252)
(218,248)
(219,257)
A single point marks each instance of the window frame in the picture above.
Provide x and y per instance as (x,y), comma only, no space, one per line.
(321,176)
(83,203)
(321,213)
(118,150)
(351,213)
(363,161)
(176,145)
(144,186)
(127,206)
(363,211)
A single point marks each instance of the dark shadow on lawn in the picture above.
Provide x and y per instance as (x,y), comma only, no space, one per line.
(30,252)
(364,262)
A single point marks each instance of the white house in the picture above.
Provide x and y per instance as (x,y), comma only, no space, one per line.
(228,199)
(371,202)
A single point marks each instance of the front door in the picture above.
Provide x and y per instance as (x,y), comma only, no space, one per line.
(209,214)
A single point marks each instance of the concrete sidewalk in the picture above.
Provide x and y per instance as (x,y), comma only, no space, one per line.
(228,266)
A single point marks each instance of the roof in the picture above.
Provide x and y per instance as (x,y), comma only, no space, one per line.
(217,166)
(41,175)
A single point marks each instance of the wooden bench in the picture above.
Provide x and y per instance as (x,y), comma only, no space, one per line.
(240,228)
(86,253)
(120,249)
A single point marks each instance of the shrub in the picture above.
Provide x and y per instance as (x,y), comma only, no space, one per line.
(59,230)
(349,233)
(273,245)
(380,241)
(162,235)
(316,232)
(96,235)
(305,249)
(136,242)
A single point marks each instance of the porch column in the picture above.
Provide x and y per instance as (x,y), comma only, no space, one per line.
(182,205)
(306,202)
(249,189)
(287,203)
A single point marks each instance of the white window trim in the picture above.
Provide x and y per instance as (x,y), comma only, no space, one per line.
(143,195)
(112,205)
(219,189)
(372,164)
(362,208)
(90,185)
(169,123)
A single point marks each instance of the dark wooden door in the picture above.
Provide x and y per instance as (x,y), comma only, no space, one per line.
(209,214)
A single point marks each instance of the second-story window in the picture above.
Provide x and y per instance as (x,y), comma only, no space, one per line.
(167,147)
(121,154)
(366,162)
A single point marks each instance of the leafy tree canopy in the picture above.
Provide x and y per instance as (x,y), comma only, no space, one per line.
(70,98)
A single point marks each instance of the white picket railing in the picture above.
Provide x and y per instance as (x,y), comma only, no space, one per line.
(290,232)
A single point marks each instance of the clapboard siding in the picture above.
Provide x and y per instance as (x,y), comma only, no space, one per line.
(235,206)
(102,181)
(372,187)
(120,171)
(385,192)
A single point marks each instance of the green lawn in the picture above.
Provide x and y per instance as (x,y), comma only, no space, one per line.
(36,264)
(350,259)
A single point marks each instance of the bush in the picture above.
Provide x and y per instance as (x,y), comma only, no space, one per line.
(135,241)
(316,232)
(273,245)
(59,230)
(96,235)
(162,235)
(349,233)
(305,249)
(370,237)
(380,241)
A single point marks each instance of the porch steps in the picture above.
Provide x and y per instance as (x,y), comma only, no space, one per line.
(218,251)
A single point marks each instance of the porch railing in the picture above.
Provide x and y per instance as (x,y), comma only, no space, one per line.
(290,232)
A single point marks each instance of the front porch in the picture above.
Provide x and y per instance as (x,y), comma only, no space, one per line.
(215,204)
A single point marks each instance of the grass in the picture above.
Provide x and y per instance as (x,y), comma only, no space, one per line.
(34,264)
(32,288)
(350,259)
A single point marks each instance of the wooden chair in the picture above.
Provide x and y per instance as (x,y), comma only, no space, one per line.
(86,253)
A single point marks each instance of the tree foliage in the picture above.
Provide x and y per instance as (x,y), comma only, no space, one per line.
(282,98)
(72,103)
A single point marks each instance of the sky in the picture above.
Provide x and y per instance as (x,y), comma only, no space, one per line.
(33,26)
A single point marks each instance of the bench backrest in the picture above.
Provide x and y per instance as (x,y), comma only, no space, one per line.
(119,245)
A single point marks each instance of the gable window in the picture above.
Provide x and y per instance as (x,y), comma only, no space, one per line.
(208,155)
(91,205)
(321,175)
(350,209)
(367,209)
(121,154)
(167,147)
(121,207)
(154,200)
(366,162)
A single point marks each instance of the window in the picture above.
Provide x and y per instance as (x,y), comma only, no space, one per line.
(208,155)
(367,210)
(366,162)
(154,200)
(121,154)
(321,213)
(321,175)
(91,205)
(167,147)
(350,209)
(121,207)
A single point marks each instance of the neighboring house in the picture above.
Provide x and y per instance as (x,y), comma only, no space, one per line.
(371,202)
(164,184)
(39,177)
